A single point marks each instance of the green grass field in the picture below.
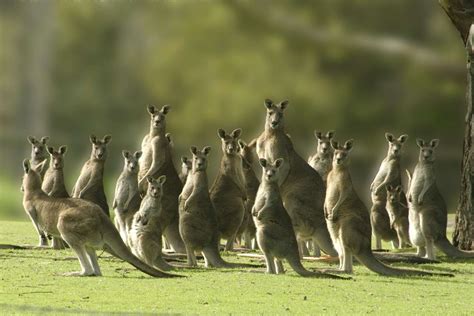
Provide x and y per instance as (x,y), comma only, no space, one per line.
(32,283)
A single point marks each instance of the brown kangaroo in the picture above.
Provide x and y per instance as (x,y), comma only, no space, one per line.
(302,188)
(157,161)
(39,155)
(82,224)
(90,184)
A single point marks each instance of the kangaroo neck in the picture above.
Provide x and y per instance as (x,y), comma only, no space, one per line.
(275,131)
(230,163)
(157,131)
(200,181)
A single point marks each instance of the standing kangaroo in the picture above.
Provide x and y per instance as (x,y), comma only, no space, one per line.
(53,182)
(90,184)
(398,213)
(145,234)
(349,221)
(275,235)
(127,198)
(82,224)
(157,161)
(39,155)
(302,188)
(389,174)
(228,192)
(321,161)
(427,209)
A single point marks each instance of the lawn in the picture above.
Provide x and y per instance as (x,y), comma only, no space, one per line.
(32,283)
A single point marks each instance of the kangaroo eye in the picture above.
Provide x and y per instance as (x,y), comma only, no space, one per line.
(270,113)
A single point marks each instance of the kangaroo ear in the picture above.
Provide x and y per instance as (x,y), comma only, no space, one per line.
(32,140)
(206,150)
(398,188)
(334,144)
(26,166)
(184,159)
(284,104)
(278,162)
(348,145)
(242,144)
(221,133)
(125,154)
(193,150)
(263,162)
(107,139)
(268,103)
(162,179)
(50,150)
(62,149)
(165,109)
(44,139)
(236,133)
(150,179)
(389,137)
(420,142)
(168,137)
(389,187)
(330,134)
(434,143)
(93,139)
(138,154)
(403,138)
(318,135)
(151,109)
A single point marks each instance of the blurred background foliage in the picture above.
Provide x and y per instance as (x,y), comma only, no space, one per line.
(360,67)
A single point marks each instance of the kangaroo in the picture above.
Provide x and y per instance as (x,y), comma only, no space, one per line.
(145,234)
(349,221)
(197,216)
(247,229)
(156,161)
(427,209)
(53,182)
(398,213)
(81,223)
(39,155)
(321,161)
(127,198)
(275,235)
(39,162)
(389,174)
(302,188)
(228,192)
(90,184)
(186,166)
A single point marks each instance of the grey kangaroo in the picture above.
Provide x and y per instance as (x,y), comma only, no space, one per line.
(349,221)
(228,192)
(321,161)
(156,161)
(90,184)
(398,213)
(389,174)
(82,224)
(39,155)
(275,235)
(427,209)
(302,188)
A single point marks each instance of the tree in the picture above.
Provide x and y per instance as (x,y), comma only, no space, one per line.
(461,13)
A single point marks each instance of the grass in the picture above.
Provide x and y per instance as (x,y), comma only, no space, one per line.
(31,283)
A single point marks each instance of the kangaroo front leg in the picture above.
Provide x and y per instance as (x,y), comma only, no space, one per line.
(430,249)
(270,264)
(279,266)
(43,240)
(191,256)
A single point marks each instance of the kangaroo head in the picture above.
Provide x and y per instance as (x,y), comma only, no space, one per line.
(427,150)
(230,145)
(169,139)
(99,147)
(31,178)
(155,186)
(394,193)
(324,141)
(274,119)
(246,153)
(131,160)
(395,145)
(57,157)
(38,147)
(200,158)
(158,118)
(186,164)
(341,153)
(270,170)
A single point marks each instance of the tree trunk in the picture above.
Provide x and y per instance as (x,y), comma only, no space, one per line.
(461,13)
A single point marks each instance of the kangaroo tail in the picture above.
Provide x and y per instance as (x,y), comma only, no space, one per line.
(296,265)
(116,247)
(367,258)
(445,246)
(215,260)
(402,257)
